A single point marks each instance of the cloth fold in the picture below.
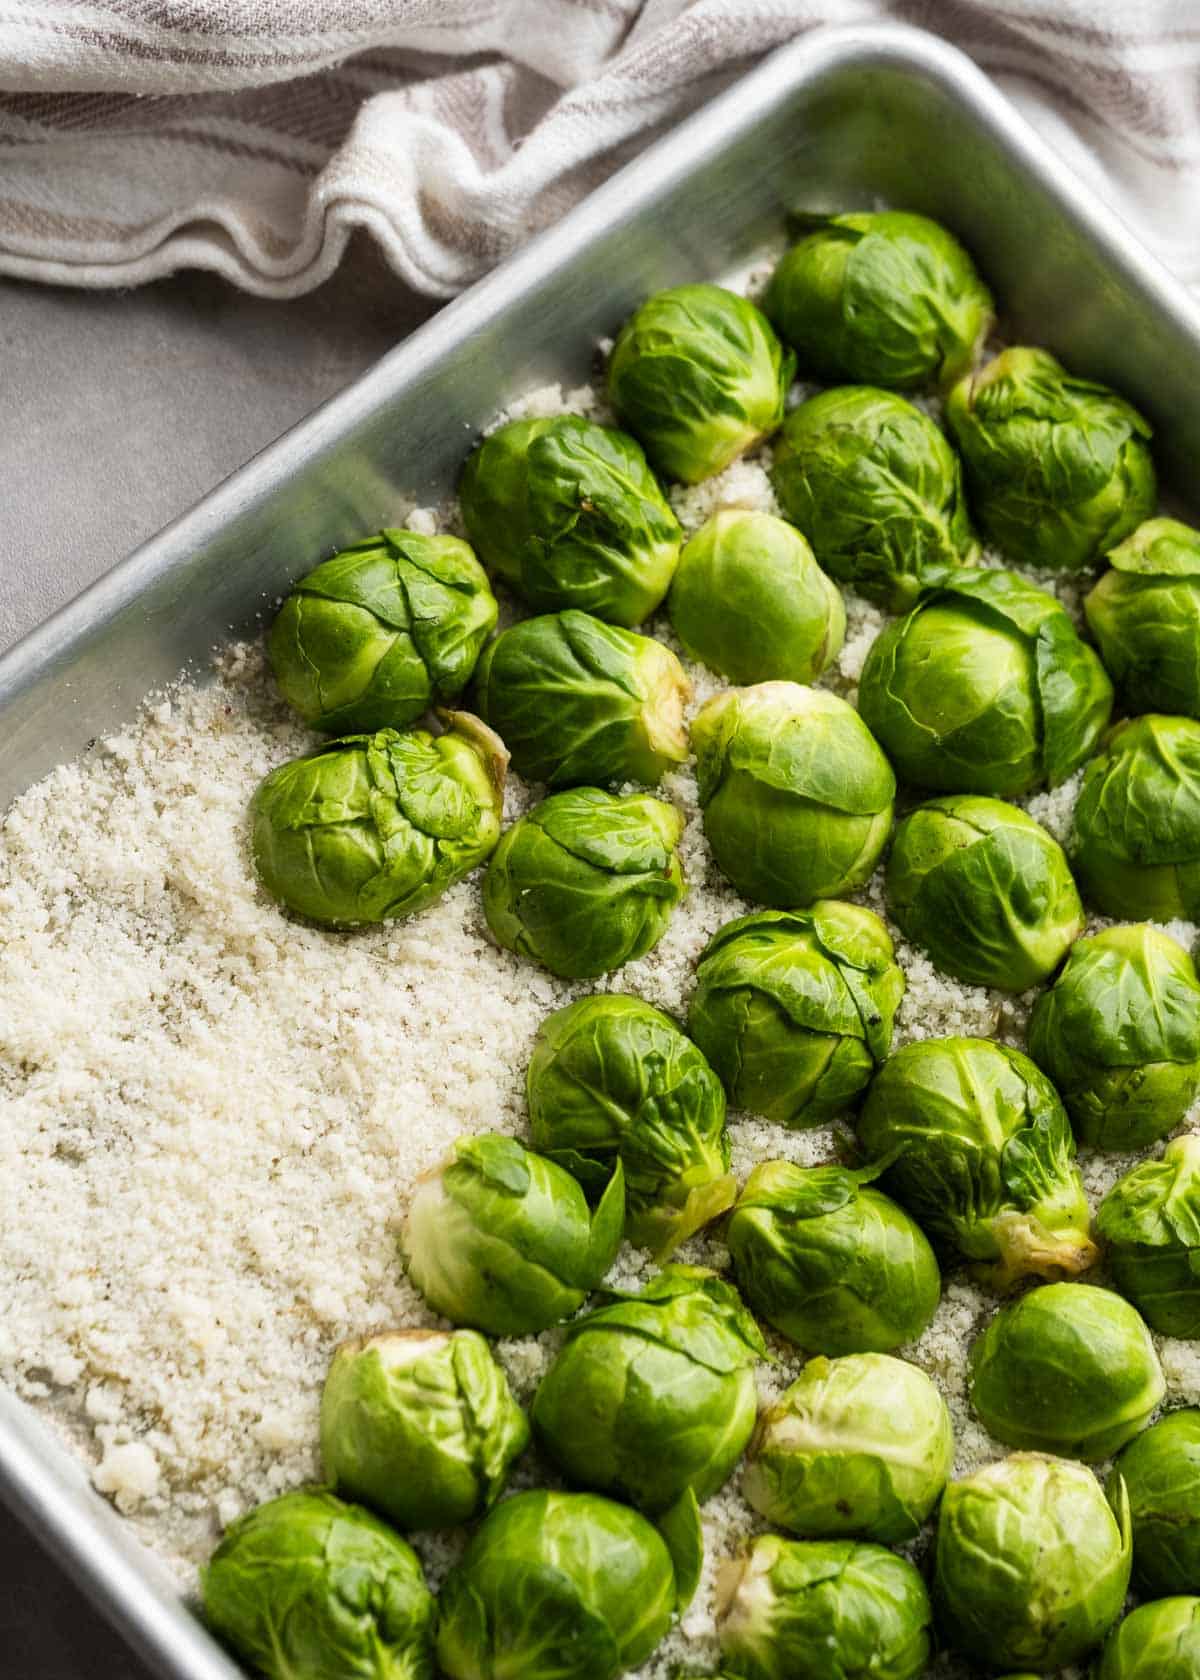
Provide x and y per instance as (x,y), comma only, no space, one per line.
(252,137)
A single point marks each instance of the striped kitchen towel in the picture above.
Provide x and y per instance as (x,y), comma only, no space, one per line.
(253,136)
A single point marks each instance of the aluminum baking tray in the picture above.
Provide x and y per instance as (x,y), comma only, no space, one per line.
(842,118)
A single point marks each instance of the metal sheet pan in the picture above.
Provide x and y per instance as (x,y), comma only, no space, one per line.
(843,118)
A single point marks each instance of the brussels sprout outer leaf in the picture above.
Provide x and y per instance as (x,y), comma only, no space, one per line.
(877,490)
(680,1527)
(307,1587)
(577,700)
(699,375)
(546,1631)
(1160,1469)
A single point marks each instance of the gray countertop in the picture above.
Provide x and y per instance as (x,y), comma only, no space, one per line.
(123,409)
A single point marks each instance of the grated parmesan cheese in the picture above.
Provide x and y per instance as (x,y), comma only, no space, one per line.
(213,1114)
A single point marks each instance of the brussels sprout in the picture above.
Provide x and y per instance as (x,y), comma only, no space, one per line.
(794,1008)
(501,1239)
(823,1608)
(1161,1472)
(984,688)
(1155,1642)
(856,1446)
(750,601)
(979,1150)
(877,491)
(586,881)
(577,700)
(1145,615)
(1119,1035)
(1150,1220)
(1069,1369)
(376,826)
(1136,849)
(699,375)
(1058,469)
(568,514)
(832,1264)
(307,1587)
(420,1425)
(654,1394)
(1032,1563)
(885,297)
(984,890)
(797,796)
(556,1586)
(613,1081)
(372,637)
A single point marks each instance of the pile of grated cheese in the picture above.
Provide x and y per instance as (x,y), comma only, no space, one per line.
(212,1114)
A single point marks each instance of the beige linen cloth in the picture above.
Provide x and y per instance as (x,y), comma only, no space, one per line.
(253,136)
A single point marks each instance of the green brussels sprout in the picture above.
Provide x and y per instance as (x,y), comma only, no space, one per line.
(586,881)
(375,635)
(654,1393)
(983,888)
(839,1608)
(830,1262)
(797,796)
(1161,1471)
(887,297)
(556,1586)
(307,1587)
(1058,469)
(1119,1035)
(503,1240)
(1145,616)
(1136,849)
(420,1425)
(1032,1563)
(578,700)
(376,826)
(979,1150)
(794,1008)
(612,1081)
(984,687)
(569,514)
(1069,1369)
(699,376)
(856,1446)
(876,489)
(1150,1220)
(749,600)
(1155,1642)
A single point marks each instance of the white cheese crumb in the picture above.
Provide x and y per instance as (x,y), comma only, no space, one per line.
(129,1472)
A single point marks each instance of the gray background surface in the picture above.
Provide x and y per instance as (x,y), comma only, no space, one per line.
(121,409)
